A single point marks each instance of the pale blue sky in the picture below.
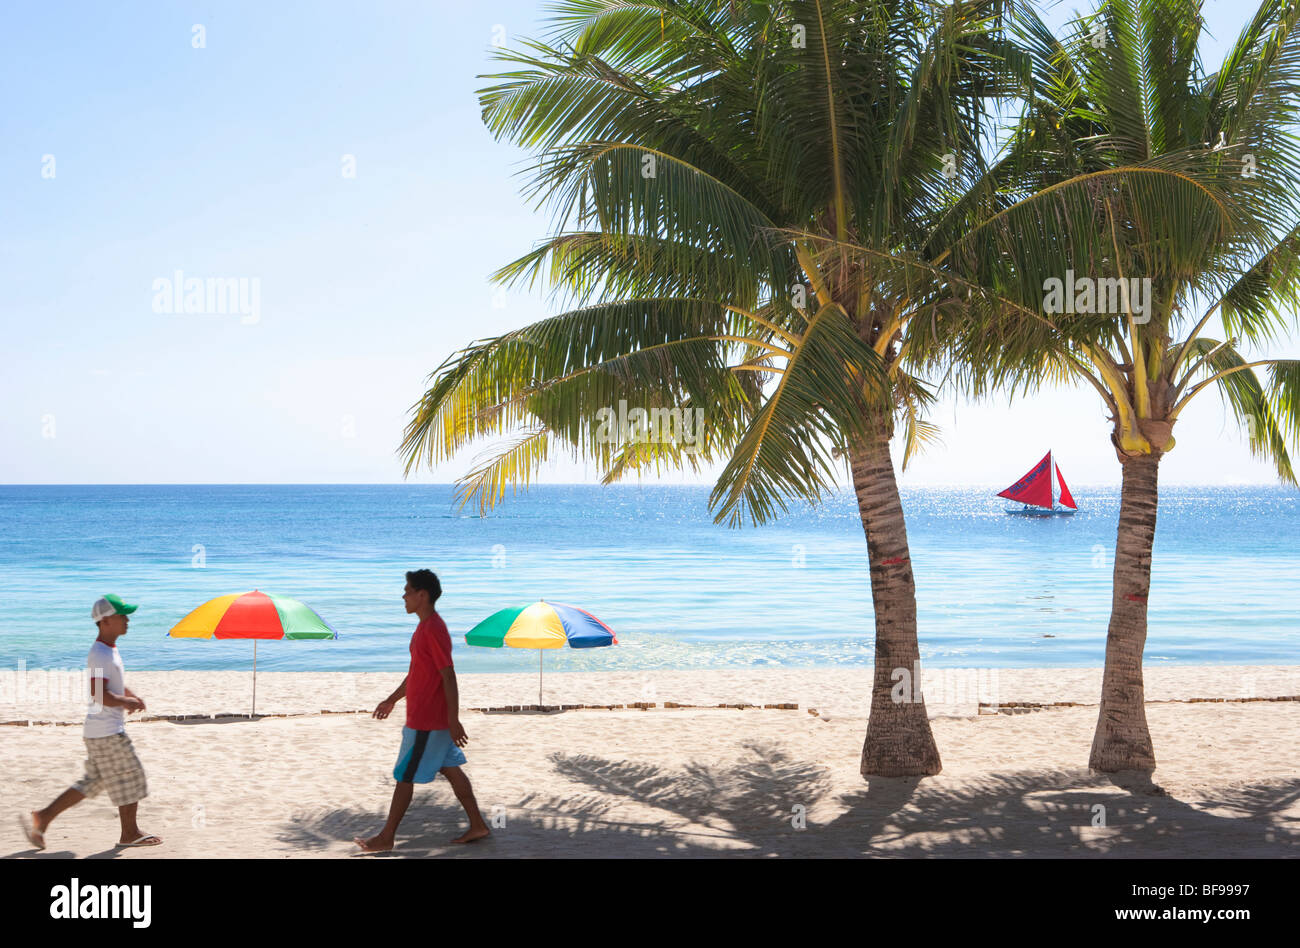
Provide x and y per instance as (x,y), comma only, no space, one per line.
(226,161)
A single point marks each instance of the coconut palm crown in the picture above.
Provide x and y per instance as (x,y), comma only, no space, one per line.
(707,165)
(1140,234)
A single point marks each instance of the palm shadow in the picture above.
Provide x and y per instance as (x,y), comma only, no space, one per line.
(433,819)
(770,804)
(1075,814)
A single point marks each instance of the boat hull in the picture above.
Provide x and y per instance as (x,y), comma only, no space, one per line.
(1041,512)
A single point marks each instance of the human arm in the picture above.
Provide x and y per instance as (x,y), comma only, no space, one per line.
(386,706)
(452,692)
(101,696)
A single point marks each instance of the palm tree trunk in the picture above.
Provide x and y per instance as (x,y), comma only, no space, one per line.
(899,741)
(1122,740)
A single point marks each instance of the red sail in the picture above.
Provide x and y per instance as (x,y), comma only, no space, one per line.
(1066,499)
(1035,488)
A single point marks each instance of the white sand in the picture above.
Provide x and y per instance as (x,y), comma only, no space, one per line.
(691,782)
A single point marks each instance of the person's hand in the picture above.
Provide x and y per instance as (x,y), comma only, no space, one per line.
(458,735)
(385,709)
(133,705)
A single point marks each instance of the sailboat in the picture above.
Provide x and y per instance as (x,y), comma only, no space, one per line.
(1042,491)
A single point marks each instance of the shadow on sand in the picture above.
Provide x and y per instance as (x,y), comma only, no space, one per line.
(751,808)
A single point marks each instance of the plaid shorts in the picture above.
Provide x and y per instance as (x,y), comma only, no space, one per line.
(111,764)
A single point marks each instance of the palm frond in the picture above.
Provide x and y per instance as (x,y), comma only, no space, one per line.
(832,387)
(1256,406)
(514,466)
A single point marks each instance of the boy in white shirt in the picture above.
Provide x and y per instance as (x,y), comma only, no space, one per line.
(111,762)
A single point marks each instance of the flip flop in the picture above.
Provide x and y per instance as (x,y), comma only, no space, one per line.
(34,836)
(143,841)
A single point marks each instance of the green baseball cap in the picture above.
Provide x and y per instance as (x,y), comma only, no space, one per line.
(110,605)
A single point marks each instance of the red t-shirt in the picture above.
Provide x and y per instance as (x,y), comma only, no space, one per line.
(426,700)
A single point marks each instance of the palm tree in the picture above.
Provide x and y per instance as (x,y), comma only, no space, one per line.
(1131,162)
(705,162)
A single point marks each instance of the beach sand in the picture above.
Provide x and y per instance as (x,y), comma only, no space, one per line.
(689,782)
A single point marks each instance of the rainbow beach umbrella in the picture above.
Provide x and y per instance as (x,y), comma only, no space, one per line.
(541,625)
(253,615)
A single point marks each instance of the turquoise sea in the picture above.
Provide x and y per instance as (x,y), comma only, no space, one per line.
(679,590)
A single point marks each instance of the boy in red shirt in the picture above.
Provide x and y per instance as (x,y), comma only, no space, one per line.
(433,736)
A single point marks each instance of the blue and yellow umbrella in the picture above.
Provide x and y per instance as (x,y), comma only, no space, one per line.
(541,625)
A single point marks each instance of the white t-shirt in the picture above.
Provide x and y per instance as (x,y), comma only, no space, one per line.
(105,662)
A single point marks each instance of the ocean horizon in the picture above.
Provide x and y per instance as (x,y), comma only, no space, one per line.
(679,591)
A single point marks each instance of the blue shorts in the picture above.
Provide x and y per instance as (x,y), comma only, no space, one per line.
(423,754)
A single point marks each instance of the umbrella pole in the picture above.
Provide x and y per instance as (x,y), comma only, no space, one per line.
(254,711)
(540,653)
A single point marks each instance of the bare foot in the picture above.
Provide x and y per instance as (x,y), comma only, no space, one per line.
(472,835)
(375,844)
